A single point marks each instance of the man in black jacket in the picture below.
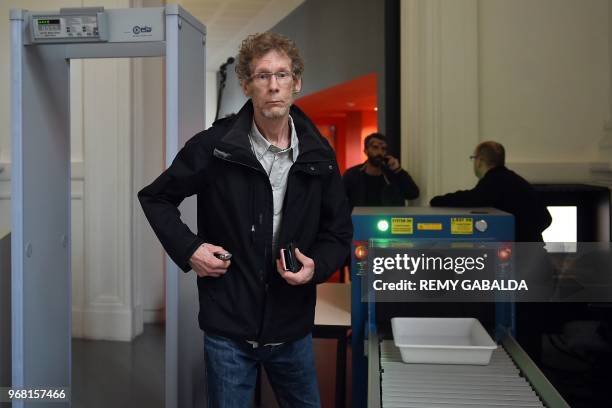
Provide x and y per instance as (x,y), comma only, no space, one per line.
(264,178)
(380,181)
(503,189)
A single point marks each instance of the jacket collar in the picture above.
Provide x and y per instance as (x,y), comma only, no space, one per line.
(494,170)
(236,140)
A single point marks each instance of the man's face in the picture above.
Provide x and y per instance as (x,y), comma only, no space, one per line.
(271,97)
(376,151)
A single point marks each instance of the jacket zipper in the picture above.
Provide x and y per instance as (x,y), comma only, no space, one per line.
(265,277)
(281,237)
(265,283)
(251,195)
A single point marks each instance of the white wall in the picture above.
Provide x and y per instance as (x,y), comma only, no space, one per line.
(533,75)
(544,77)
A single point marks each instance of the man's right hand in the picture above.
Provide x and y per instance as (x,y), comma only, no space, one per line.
(205,263)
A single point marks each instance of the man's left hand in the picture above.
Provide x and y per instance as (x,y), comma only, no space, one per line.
(302,276)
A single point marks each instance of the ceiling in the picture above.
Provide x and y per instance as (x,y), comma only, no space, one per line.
(228,22)
(356,95)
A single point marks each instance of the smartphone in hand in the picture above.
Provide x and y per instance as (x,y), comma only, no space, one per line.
(288,259)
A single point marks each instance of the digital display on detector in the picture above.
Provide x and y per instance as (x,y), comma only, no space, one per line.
(48,21)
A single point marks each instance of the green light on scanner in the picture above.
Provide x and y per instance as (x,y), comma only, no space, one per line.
(382,225)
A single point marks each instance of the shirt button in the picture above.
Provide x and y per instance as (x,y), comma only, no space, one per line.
(312,168)
(331,167)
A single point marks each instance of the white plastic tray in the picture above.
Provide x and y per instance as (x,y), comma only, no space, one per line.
(442,340)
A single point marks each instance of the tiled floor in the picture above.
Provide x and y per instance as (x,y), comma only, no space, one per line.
(121,375)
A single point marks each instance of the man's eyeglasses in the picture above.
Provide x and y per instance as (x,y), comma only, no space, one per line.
(263,78)
(472,157)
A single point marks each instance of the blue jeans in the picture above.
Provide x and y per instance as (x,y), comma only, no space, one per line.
(231,368)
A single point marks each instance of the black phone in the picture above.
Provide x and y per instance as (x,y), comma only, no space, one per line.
(288,259)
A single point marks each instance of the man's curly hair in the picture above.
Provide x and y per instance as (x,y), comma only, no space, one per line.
(258,45)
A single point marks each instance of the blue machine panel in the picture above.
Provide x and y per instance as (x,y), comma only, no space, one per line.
(412,224)
(434,223)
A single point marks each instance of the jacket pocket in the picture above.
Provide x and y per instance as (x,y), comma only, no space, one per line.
(211,288)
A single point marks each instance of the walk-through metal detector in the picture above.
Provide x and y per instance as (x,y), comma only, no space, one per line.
(42,46)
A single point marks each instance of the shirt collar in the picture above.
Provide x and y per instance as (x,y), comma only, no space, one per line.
(261,145)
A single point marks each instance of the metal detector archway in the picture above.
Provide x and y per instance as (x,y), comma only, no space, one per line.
(42,45)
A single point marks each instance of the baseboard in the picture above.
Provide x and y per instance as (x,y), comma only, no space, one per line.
(117,325)
(154,315)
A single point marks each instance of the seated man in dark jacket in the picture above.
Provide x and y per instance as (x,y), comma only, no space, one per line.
(503,189)
(380,181)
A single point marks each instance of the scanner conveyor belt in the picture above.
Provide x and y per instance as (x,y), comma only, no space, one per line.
(498,384)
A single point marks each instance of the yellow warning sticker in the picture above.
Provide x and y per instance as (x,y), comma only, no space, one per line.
(401,226)
(462,226)
(429,226)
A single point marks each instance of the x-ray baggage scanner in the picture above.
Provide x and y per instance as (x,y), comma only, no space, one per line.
(390,225)
(380,377)
(42,46)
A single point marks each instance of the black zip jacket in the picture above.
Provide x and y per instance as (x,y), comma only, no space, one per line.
(507,191)
(234,203)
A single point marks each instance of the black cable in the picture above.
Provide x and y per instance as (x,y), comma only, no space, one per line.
(222,80)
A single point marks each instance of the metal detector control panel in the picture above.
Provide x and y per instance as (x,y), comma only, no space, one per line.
(69,25)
